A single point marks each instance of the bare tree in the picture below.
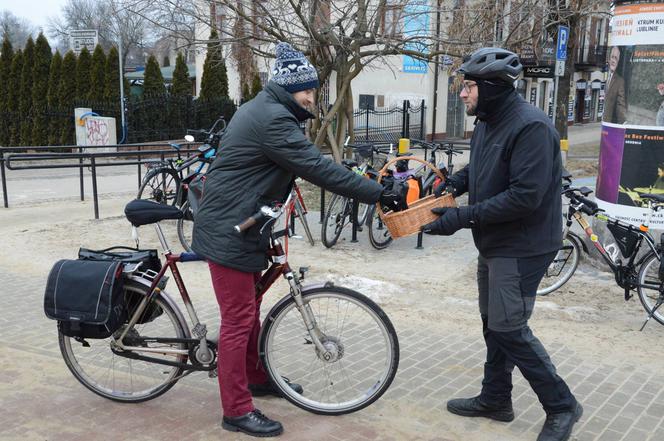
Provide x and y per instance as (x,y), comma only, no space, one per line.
(17,29)
(114,22)
(342,38)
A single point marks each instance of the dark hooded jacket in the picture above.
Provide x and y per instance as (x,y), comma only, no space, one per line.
(513,181)
(261,153)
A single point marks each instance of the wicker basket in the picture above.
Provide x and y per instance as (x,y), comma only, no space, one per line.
(408,222)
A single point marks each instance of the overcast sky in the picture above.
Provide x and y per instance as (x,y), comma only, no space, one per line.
(36,11)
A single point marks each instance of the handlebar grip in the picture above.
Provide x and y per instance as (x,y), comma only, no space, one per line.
(244,226)
(588,203)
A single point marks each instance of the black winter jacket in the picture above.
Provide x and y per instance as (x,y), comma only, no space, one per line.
(261,152)
(513,182)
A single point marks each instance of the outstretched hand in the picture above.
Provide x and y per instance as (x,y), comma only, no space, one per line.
(451,220)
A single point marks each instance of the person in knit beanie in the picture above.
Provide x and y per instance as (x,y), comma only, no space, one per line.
(292,70)
(262,151)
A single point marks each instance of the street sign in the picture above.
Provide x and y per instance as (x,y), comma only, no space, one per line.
(83,38)
(560,68)
(561,45)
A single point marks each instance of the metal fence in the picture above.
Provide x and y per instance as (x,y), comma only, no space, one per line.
(390,124)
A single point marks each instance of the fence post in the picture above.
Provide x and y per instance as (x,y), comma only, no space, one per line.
(366,129)
(4,179)
(423,121)
(94,186)
(80,174)
(139,167)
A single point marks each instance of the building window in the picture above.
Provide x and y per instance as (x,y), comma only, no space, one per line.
(393,20)
(367,102)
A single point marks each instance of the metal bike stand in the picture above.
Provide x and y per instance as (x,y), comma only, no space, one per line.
(322,205)
(420,236)
(356,204)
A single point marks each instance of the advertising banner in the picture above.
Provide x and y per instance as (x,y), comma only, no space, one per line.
(632,142)
(416,24)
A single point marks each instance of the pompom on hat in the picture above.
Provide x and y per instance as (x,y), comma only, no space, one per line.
(292,70)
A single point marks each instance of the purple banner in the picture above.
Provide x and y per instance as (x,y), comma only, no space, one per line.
(610,163)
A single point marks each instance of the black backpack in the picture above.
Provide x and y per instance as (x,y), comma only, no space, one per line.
(86,298)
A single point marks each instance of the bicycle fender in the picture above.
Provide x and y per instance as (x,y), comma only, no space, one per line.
(579,241)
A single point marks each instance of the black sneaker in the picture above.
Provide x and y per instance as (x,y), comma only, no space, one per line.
(261,390)
(253,423)
(474,407)
(558,426)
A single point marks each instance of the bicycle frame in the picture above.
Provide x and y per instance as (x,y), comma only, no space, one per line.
(279,267)
(624,273)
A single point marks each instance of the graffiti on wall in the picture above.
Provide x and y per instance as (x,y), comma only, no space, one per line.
(97,131)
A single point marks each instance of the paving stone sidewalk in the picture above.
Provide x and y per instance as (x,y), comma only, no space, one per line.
(40,399)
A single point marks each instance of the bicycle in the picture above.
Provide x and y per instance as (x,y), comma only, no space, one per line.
(343,211)
(643,274)
(567,258)
(166,182)
(336,342)
(163,181)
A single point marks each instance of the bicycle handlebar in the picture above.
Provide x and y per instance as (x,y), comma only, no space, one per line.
(252,220)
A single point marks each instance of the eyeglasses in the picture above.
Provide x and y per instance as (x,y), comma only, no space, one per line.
(468,87)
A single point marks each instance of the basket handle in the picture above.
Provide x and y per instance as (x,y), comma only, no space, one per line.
(383,172)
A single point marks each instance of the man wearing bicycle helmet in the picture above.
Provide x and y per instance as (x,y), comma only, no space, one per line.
(262,151)
(513,184)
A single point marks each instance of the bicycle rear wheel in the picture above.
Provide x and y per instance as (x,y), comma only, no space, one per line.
(650,287)
(185,227)
(337,216)
(160,185)
(358,334)
(119,378)
(563,266)
(379,235)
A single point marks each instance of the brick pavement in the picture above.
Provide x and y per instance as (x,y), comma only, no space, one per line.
(40,400)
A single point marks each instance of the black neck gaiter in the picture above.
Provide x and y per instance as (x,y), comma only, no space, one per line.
(491,94)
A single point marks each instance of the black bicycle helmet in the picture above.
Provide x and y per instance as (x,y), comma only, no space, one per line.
(491,63)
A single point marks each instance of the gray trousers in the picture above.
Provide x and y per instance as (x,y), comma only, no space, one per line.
(507,290)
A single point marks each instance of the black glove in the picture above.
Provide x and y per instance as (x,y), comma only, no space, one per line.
(446,185)
(392,200)
(451,220)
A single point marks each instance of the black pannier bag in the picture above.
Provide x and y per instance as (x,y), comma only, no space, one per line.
(150,261)
(626,237)
(86,298)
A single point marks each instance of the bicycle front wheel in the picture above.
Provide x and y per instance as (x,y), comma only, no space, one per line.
(563,266)
(650,287)
(118,378)
(185,227)
(363,350)
(160,185)
(379,235)
(336,217)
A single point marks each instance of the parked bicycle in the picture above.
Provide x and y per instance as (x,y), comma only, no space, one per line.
(342,211)
(640,272)
(167,182)
(337,343)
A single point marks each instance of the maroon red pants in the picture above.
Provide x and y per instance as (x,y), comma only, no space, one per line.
(238,363)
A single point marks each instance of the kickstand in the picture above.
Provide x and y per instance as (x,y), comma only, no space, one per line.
(659,303)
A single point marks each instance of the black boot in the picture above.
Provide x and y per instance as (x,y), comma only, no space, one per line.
(261,390)
(474,407)
(558,426)
(253,423)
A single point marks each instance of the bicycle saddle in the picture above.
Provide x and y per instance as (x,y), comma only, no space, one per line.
(654,197)
(141,212)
